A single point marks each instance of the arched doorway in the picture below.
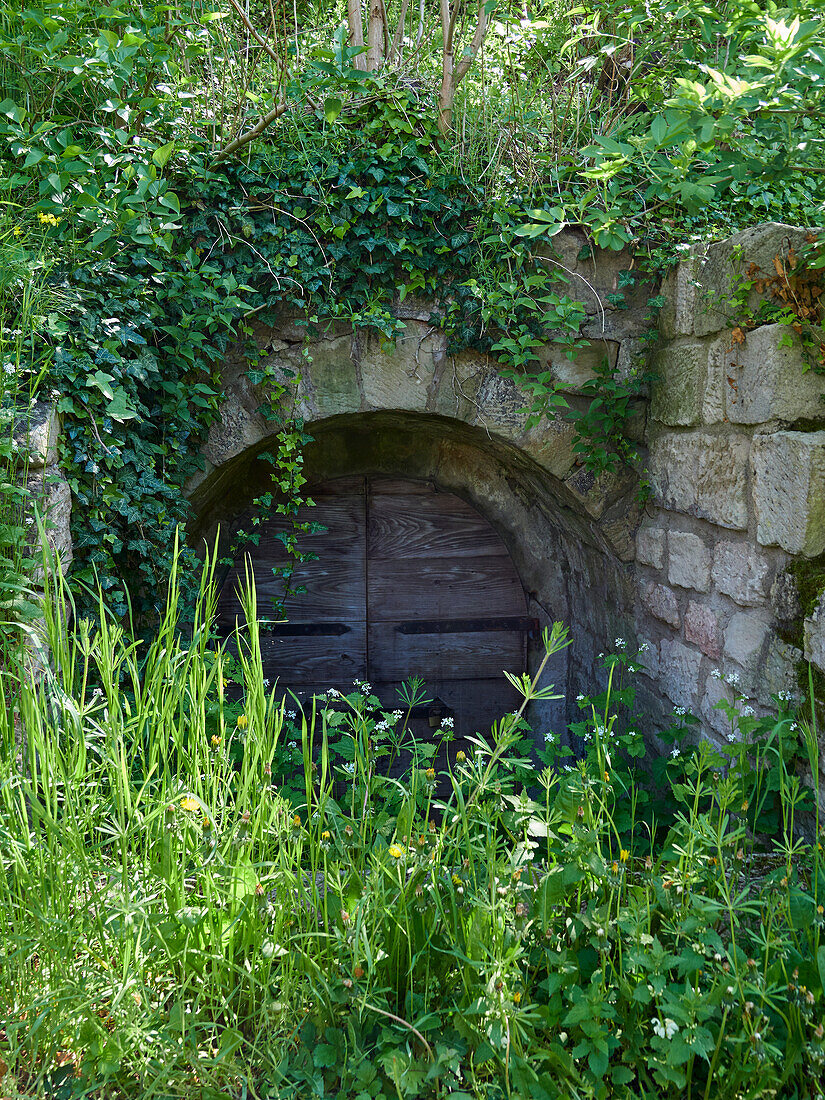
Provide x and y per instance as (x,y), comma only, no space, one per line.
(409,580)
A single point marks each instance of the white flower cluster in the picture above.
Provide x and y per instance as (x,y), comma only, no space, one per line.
(666,1028)
(680,711)
(675,751)
(620,643)
(382,727)
(732,679)
(549,738)
(747,712)
(448,722)
(785,696)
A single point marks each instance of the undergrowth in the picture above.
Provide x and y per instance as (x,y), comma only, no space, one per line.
(524,922)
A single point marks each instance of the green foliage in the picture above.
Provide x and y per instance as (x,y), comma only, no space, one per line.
(493,928)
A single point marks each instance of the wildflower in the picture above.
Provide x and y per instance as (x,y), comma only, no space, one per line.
(717,674)
(267,769)
(644,647)
(456,880)
(291,715)
(47,219)
(517,998)
(189,803)
(430,773)
(206,824)
(614,867)
(580,698)
(347,983)
(521,909)
(820,1031)
(732,737)
(259,890)
(648,863)
(267,681)
(246,817)
(18,232)
(624,855)
(747,712)
(680,711)
(460,756)
(296,821)
(348,829)
(675,751)
(600,933)
(242,721)
(732,678)
(325,834)
(666,1028)
(745,806)
(358,972)
(344,916)
(619,643)
(216,741)
(382,727)
(395,851)
(607,777)
(448,722)
(785,696)
(549,738)
(350,767)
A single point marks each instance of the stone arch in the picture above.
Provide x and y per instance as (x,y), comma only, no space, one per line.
(411,409)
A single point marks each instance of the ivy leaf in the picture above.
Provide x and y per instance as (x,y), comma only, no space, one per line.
(119,408)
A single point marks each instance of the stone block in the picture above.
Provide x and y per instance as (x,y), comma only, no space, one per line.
(582,367)
(550,443)
(598,492)
(594,273)
(457,390)
(677,394)
(815,636)
(661,602)
(785,597)
(741,571)
(500,406)
(702,475)
(679,291)
(789,491)
(650,546)
(331,375)
(745,639)
(726,264)
(702,629)
(398,375)
(778,672)
(767,379)
(648,657)
(36,435)
(716,384)
(51,497)
(688,561)
(237,428)
(618,525)
(679,672)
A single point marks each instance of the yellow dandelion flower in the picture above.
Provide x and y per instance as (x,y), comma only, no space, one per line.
(456,880)
(396,852)
(460,756)
(325,834)
(517,998)
(216,740)
(624,855)
(296,821)
(243,721)
(430,773)
(17,231)
(189,803)
(614,867)
(607,777)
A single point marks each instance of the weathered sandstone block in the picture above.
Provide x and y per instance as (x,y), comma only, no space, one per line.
(767,380)
(679,672)
(789,491)
(741,572)
(702,475)
(677,393)
(661,602)
(688,561)
(650,546)
(702,628)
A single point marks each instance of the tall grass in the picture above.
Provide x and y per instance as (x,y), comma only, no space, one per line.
(172,924)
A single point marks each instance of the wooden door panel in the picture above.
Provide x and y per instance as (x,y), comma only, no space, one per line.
(477,655)
(329,660)
(403,526)
(451,588)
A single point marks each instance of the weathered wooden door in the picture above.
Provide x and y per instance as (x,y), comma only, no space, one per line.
(408,581)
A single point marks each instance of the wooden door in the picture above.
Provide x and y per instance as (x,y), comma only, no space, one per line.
(408,581)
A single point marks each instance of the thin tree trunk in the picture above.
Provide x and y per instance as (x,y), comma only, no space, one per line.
(356,32)
(376,32)
(452,74)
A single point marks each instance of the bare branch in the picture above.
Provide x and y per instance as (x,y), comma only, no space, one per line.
(244,139)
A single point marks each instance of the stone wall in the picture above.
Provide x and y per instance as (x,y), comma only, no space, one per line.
(737,464)
(734,437)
